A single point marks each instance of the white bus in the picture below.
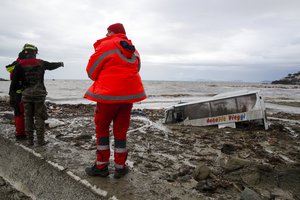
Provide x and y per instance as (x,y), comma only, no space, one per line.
(224,110)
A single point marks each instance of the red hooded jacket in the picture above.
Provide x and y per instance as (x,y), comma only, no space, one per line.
(114,68)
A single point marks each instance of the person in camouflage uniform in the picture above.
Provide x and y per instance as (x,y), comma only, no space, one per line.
(30,71)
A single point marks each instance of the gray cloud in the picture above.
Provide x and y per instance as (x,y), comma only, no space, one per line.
(251,40)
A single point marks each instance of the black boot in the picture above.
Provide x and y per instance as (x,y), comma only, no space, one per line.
(41,139)
(95,171)
(121,172)
(42,143)
(30,142)
(20,137)
(29,138)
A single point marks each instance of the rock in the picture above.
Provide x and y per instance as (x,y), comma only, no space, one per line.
(8,116)
(231,163)
(206,186)
(251,178)
(278,193)
(248,194)
(184,172)
(53,123)
(151,167)
(227,149)
(2,182)
(265,193)
(272,141)
(138,112)
(185,178)
(201,172)
(83,137)
(171,177)
(266,167)
(58,135)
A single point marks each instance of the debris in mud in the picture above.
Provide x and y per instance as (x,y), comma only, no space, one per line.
(206,186)
(52,123)
(282,115)
(8,116)
(249,194)
(201,172)
(227,148)
(230,164)
(197,162)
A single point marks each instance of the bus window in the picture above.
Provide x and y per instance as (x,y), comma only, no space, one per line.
(198,110)
(223,107)
(246,103)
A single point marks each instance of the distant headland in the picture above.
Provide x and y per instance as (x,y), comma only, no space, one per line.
(291,79)
(2,79)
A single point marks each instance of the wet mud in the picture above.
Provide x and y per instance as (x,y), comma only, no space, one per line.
(180,162)
(8,192)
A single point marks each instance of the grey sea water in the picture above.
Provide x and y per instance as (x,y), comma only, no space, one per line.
(162,94)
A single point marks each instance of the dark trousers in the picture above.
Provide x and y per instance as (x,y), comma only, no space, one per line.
(35,116)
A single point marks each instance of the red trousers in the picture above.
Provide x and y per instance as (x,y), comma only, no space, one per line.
(19,119)
(119,114)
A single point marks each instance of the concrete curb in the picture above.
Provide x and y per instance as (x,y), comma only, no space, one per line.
(38,178)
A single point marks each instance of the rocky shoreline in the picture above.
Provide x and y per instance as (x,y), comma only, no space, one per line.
(291,79)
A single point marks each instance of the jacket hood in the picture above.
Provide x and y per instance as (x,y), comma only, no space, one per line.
(98,42)
(126,47)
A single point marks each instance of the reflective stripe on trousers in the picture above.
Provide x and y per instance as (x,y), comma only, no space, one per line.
(102,163)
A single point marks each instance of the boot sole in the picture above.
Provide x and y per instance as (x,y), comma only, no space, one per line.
(96,174)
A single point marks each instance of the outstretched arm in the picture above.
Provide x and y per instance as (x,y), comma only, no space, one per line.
(52,65)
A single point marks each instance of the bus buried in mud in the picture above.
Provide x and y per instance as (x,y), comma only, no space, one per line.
(224,110)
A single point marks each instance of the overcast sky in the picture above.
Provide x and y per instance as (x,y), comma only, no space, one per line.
(224,40)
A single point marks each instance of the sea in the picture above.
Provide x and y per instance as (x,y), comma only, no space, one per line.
(163,94)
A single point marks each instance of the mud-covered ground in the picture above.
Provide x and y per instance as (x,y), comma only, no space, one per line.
(8,192)
(185,162)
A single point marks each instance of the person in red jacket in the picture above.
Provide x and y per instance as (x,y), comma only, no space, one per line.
(114,68)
